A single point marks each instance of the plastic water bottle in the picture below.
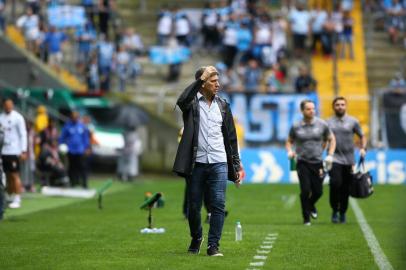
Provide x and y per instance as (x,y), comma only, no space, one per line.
(238,231)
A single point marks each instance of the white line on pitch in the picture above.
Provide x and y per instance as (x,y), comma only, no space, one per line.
(257,263)
(379,256)
(264,249)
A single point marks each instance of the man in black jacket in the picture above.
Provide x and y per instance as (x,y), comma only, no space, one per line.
(207,155)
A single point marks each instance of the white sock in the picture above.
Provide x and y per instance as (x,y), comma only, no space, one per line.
(17,198)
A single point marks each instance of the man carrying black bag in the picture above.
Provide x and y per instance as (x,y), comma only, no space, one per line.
(344,127)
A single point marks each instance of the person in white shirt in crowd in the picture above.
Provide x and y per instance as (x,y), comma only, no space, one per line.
(182,28)
(164,26)
(14,149)
(262,37)
(279,28)
(122,66)
(210,19)
(319,18)
(230,39)
(133,42)
(337,19)
(300,27)
(29,24)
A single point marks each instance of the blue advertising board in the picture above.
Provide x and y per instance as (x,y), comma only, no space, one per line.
(267,118)
(271,165)
(66,16)
(166,55)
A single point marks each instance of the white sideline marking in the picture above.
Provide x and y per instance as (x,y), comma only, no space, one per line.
(270,238)
(379,256)
(257,263)
(263,249)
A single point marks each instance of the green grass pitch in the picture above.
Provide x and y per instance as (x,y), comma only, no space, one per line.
(63,233)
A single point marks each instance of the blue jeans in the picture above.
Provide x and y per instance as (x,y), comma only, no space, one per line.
(211,178)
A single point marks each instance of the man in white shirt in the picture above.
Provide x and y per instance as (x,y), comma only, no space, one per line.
(300,26)
(14,149)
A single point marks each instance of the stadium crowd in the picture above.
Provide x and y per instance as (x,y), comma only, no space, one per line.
(252,41)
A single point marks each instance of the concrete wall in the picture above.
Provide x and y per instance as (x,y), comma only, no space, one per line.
(20,69)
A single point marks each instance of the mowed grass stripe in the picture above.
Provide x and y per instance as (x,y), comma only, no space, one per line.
(82,237)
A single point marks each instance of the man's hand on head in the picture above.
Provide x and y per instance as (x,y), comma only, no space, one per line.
(208,72)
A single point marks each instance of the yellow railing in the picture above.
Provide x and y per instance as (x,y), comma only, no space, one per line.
(351,77)
(64,75)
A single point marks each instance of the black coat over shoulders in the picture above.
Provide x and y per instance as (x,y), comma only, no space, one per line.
(187,149)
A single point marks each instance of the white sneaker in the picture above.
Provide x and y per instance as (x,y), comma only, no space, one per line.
(15,204)
(307,224)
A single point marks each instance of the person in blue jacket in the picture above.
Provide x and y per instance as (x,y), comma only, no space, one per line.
(76,136)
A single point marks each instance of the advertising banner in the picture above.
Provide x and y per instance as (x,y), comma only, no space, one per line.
(66,16)
(271,165)
(267,118)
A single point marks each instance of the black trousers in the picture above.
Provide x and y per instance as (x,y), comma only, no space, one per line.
(311,176)
(340,177)
(77,170)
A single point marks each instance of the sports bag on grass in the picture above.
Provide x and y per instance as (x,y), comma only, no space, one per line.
(361,182)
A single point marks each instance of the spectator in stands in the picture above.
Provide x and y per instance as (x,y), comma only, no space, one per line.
(398,83)
(336,18)
(41,119)
(54,41)
(29,24)
(182,28)
(164,26)
(35,6)
(346,36)
(319,18)
(252,76)
(305,83)
(105,56)
(76,136)
(14,149)
(300,26)
(50,133)
(123,66)
(396,13)
(106,8)
(279,39)
(328,35)
(89,9)
(271,84)
(210,19)
(2,17)
(133,42)
(244,40)
(262,37)
(92,75)
(230,39)
(85,37)
(50,163)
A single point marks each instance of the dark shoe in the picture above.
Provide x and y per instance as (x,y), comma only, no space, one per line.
(195,245)
(214,251)
(313,213)
(343,219)
(334,217)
